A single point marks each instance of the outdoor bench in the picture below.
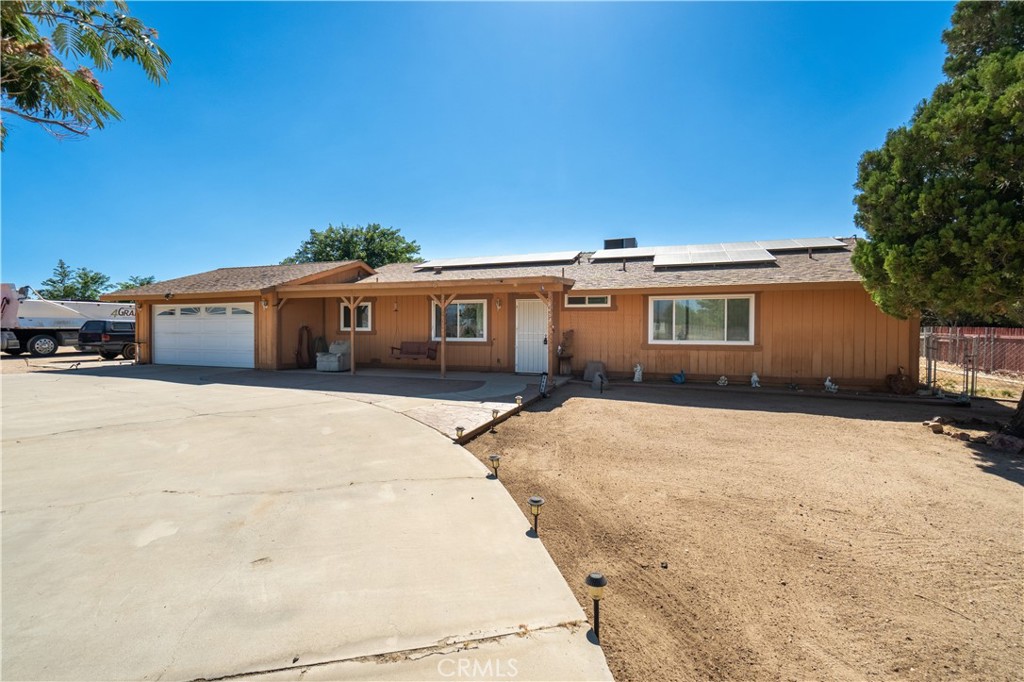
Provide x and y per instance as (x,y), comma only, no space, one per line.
(415,350)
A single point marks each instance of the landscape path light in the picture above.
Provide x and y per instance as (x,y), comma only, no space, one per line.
(494,419)
(459,430)
(519,401)
(495,463)
(595,584)
(535,502)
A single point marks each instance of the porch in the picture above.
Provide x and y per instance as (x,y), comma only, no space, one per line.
(500,326)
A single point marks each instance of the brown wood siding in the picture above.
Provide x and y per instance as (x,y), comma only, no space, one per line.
(144,333)
(407,318)
(801,336)
(294,314)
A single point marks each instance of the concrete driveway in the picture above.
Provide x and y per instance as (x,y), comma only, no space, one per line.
(162,525)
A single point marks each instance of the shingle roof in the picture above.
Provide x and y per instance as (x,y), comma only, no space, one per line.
(233,279)
(831,265)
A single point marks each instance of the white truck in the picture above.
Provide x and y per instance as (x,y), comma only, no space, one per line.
(39,326)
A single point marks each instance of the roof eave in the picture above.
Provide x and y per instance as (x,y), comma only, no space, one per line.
(167,296)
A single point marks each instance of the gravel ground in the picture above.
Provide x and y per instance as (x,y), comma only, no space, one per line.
(748,536)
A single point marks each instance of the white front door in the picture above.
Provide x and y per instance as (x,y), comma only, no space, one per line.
(531,334)
(210,334)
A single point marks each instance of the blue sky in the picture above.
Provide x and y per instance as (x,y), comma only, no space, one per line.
(476,129)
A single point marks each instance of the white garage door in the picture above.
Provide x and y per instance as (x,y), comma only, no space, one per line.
(214,334)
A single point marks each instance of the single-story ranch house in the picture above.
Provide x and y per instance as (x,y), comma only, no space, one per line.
(792,310)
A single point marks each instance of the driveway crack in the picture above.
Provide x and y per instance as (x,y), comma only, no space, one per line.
(444,646)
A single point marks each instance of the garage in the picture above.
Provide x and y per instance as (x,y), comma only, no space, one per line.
(210,334)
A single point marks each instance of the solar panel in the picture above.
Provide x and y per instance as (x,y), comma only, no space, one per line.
(800,244)
(518,259)
(750,256)
(712,257)
(728,247)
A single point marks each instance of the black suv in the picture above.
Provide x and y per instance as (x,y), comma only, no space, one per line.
(108,338)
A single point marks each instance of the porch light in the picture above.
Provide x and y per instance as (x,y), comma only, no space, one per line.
(519,400)
(595,583)
(459,430)
(535,502)
(495,463)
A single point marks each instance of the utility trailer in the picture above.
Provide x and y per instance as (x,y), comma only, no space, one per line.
(40,327)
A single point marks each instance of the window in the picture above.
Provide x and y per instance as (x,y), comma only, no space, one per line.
(363,317)
(169,311)
(240,311)
(588,301)
(216,310)
(722,320)
(189,310)
(122,326)
(466,321)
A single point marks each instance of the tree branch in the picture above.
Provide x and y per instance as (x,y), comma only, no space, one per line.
(46,121)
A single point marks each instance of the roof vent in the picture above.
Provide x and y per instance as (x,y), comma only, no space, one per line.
(625,243)
(437,269)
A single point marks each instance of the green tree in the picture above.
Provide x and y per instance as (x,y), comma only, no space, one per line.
(373,244)
(135,281)
(66,284)
(942,201)
(89,284)
(61,285)
(45,78)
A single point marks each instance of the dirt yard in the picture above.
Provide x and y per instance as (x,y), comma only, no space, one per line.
(65,358)
(752,536)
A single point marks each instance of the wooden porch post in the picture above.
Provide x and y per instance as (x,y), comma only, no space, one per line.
(443,302)
(352,303)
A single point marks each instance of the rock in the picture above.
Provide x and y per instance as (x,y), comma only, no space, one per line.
(979,439)
(963,436)
(936,427)
(1007,443)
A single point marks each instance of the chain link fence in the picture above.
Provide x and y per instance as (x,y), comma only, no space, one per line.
(974,361)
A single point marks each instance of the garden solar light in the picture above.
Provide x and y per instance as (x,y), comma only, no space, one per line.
(495,463)
(535,502)
(595,584)
(459,430)
(519,400)
(494,413)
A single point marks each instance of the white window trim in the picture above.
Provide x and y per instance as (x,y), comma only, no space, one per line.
(434,336)
(369,317)
(606,304)
(662,342)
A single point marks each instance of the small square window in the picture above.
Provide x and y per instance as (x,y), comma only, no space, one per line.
(364,317)
(189,310)
(216,310)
